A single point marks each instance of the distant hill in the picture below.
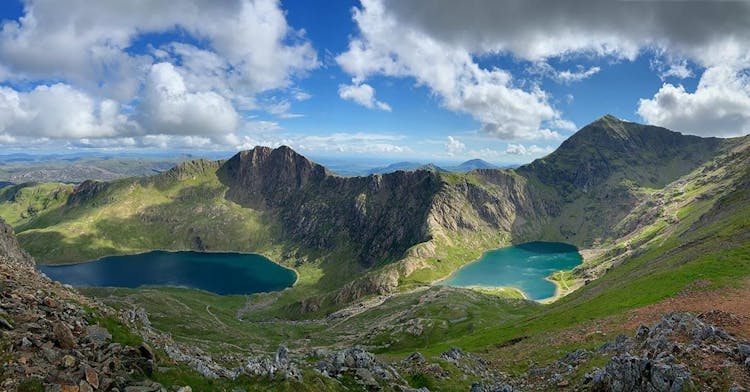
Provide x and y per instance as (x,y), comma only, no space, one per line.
(472,164)
(406,166)
(21,168)
(464,167)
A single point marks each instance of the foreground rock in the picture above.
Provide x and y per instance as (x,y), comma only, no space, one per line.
(50,337)
(660,357)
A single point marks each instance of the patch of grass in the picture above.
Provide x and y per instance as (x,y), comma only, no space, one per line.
(31,385)
(420,380)
(207,320)
(20,204)
(180,375)
(504,292)
(120,333)
(563,278)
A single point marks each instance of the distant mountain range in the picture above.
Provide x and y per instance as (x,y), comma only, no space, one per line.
(464,167)
(21,168)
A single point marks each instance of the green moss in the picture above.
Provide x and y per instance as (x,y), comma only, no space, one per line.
(120,333)
(421,380)
(31,385)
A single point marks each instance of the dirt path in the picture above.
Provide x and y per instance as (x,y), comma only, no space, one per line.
(208,310)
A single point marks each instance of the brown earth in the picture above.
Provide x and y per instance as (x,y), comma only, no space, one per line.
(728,308)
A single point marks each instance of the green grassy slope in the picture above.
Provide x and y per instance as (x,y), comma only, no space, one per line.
(136,215)
(708,244)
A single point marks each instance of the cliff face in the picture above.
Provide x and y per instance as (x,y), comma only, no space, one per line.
(9,247)
(491,199)
(85,192)
(380,216)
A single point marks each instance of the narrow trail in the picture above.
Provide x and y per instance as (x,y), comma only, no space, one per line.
(208,310)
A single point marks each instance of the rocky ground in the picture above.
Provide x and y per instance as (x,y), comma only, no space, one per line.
(681,352)
(51,340)
(55,339)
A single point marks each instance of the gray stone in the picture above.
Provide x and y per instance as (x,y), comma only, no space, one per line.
(630,373)
(744,350)
(63,334)
(4,324)
(454,354)
(98,335)
(415,357)
(146,351)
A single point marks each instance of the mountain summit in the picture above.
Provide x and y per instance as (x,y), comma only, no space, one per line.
(647,155)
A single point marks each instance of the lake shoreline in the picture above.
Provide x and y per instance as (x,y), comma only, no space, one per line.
(139,253)
(559,291)
(219,272)
(525,268)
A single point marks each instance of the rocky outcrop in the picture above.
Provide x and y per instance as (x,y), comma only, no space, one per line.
(281,364)
(659,357)
(379,217)
(361,365)
(9,248)
(87,193)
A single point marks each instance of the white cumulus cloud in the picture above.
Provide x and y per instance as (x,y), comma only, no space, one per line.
(520,149)
(391,47)
(719,106)
(169,108)
(362,94)
(59,111)
(454,146)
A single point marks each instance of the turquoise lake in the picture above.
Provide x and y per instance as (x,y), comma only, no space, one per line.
(220,273)
(523,266)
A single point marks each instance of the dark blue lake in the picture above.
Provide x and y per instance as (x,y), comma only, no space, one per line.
(220,273)
(523,266)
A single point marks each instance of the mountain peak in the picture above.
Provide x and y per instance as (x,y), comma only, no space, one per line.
(271,169)
(608,118)
(474,164)
(610,145)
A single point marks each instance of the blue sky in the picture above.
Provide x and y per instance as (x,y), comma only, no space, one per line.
(426,80)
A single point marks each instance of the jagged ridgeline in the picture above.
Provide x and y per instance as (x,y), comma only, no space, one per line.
(352,236)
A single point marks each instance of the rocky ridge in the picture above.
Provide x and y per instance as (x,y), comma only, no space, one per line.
(378,216)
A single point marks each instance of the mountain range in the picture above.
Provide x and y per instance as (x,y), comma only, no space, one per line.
(654,212)
(464,167)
